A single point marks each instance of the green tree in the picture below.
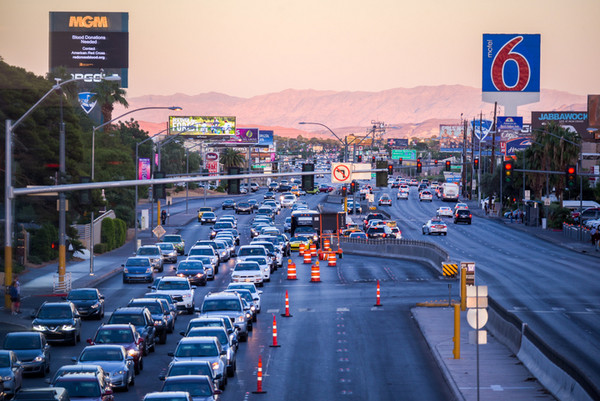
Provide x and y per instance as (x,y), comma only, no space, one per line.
(232,158)
(107,93)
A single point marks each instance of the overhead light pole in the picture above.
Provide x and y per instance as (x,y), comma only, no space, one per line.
(8,188)
(344,142)
(92,228)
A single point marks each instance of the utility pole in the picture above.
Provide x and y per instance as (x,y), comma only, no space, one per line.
(464,163)
(472,149)
(493,158)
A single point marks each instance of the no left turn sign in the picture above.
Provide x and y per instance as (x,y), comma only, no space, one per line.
(341,172)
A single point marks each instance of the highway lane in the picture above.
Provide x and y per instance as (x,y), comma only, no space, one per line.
(336,345)
(553,289)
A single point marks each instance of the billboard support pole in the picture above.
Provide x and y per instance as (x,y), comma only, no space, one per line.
(493,140)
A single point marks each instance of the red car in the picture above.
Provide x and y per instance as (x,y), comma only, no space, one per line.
(325,188)
(121,334)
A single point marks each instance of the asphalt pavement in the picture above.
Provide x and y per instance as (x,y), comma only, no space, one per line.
(497,376)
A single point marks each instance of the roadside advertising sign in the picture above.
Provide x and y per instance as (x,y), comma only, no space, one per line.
(265,138)
(451,138)
(397,142)
(211,162)
(213,128)
(516,145)
(572,121)
(511,63)
(144,169)
(90,44)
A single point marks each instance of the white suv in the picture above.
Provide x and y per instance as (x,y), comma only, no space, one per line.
(179,289)
(206,250)
(247,272)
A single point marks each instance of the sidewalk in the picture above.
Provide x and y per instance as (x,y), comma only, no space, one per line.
(501,375)
(549,235)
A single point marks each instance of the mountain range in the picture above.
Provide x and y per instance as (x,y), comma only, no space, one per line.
(407,112)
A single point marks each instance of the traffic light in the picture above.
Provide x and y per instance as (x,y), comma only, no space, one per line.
(390,170)
(381,177)
(85,195)
(507,168)
(419,166)
(400,161)
(352,187)
(435,162)
(448,165)
(233,186)
(159,189)
(571,172)
(54,245)
(359,158)
(308,181)
(476,164)
(373,159)
(344,191)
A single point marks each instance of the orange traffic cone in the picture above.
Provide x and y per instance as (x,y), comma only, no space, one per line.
(287,306)
(291,270)
(259,389)
(315,273)
(378,303)
(340,253)
(307,258)
(326,244)
(332,260)
(301,250)
(274,333)
(313,250)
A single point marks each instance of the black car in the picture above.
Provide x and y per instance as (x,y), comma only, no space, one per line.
(284,188)
(243,207)
(193,270)
(88,301)
(269,195)
(58,321)
(160,315)
(382,231)
(462,216)
(372,216)
(141,318)
(31,348)
(228,204)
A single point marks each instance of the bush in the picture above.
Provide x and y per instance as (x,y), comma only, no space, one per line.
(179,188)
(120,232)
(126,214)
(220,188)
(41,243)
(557,215)
(100,248)
(107,235)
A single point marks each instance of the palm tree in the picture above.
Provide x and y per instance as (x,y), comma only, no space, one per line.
(232,158)
(107,94)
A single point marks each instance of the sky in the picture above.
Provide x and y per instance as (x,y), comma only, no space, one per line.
(247,48)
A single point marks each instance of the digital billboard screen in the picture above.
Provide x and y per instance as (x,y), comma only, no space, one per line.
(215,128)
(265,138)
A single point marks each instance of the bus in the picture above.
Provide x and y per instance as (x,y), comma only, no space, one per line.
(306,223)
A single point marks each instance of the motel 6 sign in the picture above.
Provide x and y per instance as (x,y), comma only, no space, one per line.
(511,63)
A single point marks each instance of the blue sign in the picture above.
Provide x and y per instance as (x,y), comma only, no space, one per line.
(509,123)
(85,100)
(481,128)
(265,138)
(517,145)
(511,63)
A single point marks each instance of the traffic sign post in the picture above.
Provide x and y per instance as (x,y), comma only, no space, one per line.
(341,173)
(470,272)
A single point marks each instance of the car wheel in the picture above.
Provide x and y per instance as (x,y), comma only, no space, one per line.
(163,338)
(124,280)
(136,368)
(133,379)
(126,386)
(79,336)
(141,364)
(145,349)
(153,348)
(190,310)
(445,233)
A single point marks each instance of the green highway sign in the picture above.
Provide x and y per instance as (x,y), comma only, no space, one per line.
(405,154)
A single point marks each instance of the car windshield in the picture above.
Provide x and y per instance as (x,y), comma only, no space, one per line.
(246,267)
(166,247)
(258,259)
(79,388)
(197,350)
(251,251)
(220,304)
(196,389)
(153,307)
(84,295)
(173,285)
(54,312)
(14,342)
(4,361)
(202,369)
(121,318)
(208,332)
(172,238)
(137,262)
(201,251)
(305,230)
(106,336)
(148,251)
(206,323)
(223,224)
(209,215)
(100,354)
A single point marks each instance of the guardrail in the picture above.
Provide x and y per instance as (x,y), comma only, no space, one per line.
(535,353)
(572,231)
(399,248)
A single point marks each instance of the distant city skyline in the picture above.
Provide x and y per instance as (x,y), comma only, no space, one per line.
(246,49)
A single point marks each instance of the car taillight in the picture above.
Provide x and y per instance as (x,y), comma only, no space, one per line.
(469,215)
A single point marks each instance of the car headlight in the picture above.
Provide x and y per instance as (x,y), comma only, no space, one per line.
(120,372)
(248,315)
(215,365)
(132,352)
(159,322)
(67,327)
(149,270)
(39,358)
(6,378)
(125,270)
(39,327)
(253,308)
(241,318)
(199,275)
(186,295)
(95,306)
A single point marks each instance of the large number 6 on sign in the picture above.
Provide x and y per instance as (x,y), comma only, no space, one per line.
(523,69)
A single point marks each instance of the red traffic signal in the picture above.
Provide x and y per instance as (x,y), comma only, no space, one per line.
(400,161)
(419,166)
(352,187)
(476,164)
(435,162)
(373,159)
(507,168)
(448,165)
(571,170)
(390,169)
(359,158)
(571,177)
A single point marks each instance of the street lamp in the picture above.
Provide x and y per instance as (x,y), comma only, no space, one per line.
(344,142)
(8,189)
(93,169)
